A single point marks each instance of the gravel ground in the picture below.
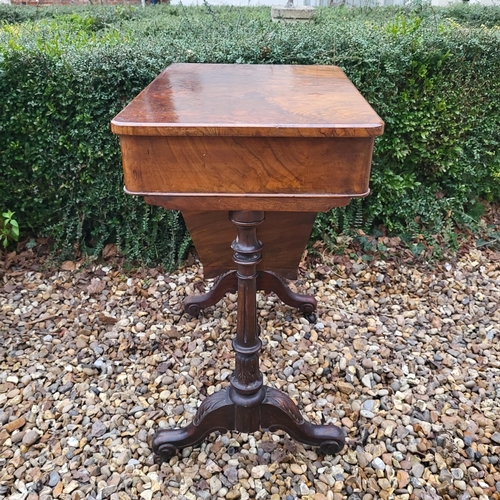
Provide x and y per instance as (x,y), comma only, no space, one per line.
(405,357)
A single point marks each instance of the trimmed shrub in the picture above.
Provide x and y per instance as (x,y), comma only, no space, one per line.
(429,73)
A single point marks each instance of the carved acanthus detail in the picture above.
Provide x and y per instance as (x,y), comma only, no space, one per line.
(210,404)
(281,400)
(248,369)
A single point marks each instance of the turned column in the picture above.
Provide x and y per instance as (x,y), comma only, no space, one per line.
(246,405)
(247,388)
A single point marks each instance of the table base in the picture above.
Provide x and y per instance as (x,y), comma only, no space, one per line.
(267,281)
(247,405)
(277,411)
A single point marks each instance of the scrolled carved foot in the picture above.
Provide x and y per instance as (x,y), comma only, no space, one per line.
(272,282)
(225,283)
(278,411)
(192,309)
(331,447)
(216,413)
(164,453)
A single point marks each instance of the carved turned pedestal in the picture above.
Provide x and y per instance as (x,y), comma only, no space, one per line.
(250,154)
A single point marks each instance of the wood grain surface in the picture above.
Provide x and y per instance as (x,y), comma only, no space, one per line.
(249,100)
(247,165)
(248,137)
(268,203)
(284,236)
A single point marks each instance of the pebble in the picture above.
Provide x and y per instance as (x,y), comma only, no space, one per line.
(296,469)
(124,457)
(31,437)
(18,423)
(259,471)
(98,429)
(378,464)
(405,364)
(418,470)
(72,441)
(54,478)
(215,485)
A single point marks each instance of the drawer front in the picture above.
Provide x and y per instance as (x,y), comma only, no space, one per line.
(247,165)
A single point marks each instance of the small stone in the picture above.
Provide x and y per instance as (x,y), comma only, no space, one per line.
(345,387)
(123,457)
(211,466)
(495,437)
(296,469)
(363,458)
(418,470)
(31,437)
(56,492)
(403,478)
(81,343)
(215,485)
(72,441)
(320,496)
(98,429)
(99,363)
(359,344)
(232,474)
(347,422)
(259,471)
(367,381)
(15,424)
(367,363)
(369,405)
(378,463)
(17,436)
(351,457)
(54,478)
(71,486)
(384,484)
(303,488)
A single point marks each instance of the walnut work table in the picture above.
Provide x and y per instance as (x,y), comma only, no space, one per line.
(248,153)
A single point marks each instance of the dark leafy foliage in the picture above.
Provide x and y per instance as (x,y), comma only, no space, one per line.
(431,74)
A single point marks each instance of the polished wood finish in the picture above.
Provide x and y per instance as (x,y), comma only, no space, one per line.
(249,100)
(234,165)
(267,281)
(227,202)
(283,234)
(246,140)
(247,405)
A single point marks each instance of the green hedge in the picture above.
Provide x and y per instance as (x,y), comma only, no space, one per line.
(431,74)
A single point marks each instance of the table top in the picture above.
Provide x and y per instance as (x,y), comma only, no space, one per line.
(249,100)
